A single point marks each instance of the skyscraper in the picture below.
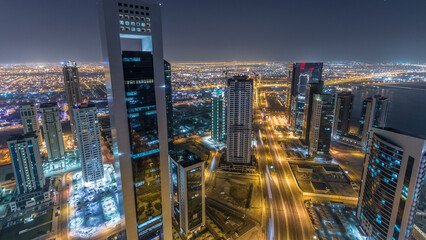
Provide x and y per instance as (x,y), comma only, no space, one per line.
(29,119)
(301,74)
(394,169)
(72,90)
(131,35)
(52,130)
(89,141)
(26,162)
(218,115)
(311,89)
(239,122)
(342,113)
(374,113)
(188,192)
(321,124)
(169,103)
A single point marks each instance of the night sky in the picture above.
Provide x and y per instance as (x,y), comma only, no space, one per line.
(227,30)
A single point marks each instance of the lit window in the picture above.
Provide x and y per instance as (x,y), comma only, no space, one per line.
(133,29)
(132,23)
(127,23)
(138,24)
(143,24)
(121,22)
(138,29)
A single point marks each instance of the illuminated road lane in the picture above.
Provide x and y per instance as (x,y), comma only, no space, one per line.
(288,219)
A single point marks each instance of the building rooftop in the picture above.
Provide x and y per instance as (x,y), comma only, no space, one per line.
(419,136)
(83,105)
(20,137)
(50,104)
(186,158)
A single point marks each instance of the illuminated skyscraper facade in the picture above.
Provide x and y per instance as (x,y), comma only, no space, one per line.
(239,122)
(311,89)
(321,124)
(72,90)
(169,104)
(52,130)
(374,114)
(301,75)
(189,207)
(89,141)
(342,113)
(29,118)
(26,162)
(131,35)
(218,115)
(394,169)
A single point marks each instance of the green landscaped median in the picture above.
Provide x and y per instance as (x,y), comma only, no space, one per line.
(13,232)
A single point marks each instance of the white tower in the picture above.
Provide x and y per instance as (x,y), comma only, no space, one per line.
(86,126)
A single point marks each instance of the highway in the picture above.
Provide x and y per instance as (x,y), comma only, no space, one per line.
(286,218)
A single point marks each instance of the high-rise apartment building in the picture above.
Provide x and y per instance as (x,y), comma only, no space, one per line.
(188,191)
(89,141)
(131,35)
(394,169)
(321,124)
(301,75)
(29,118)
(342,113)
(26,162)
(218,115)
(311,89)
(374,113)
(52,130)
(239,122)
(72,90)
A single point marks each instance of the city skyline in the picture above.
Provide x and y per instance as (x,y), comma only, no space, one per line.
(349,35)
(141,146)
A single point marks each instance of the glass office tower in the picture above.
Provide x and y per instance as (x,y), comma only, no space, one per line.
(342,113)
(131,36)
(301,75)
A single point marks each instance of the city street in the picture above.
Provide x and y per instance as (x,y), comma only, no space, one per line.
(287,217)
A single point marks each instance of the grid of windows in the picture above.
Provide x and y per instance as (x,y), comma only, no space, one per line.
(380,185)
(134,18)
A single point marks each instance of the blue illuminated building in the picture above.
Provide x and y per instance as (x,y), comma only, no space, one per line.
(136,80)
(392,177)
(26,162)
